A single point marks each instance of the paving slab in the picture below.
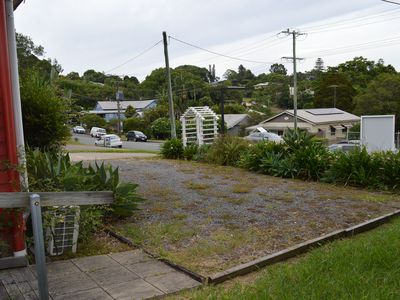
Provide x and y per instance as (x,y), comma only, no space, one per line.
(112,275)
(137,289)
(126,275)
(92,263)
(93,294)
(150,268)
(68,284)
(172,282)
(130,257)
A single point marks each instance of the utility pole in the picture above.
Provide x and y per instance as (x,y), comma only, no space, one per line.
(222,112)
(334,86)
(170,99)
(119,96)
(294,58)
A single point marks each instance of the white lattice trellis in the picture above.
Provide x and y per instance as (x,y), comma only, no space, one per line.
(199,126)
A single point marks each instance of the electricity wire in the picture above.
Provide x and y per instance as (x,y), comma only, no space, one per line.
(135,57)
(219,54)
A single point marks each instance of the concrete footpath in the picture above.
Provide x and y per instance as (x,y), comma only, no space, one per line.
(107,156)
(125,275)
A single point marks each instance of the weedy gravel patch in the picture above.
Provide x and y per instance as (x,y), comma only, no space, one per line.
(209,218)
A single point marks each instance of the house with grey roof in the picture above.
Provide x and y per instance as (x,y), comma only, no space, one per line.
(330,123)
(109,109)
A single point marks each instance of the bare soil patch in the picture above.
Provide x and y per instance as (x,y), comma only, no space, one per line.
(209,218)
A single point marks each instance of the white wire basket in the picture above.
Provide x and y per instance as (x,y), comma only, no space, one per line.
(63,230)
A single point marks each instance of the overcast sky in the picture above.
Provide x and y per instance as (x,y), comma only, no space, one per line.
(100,34)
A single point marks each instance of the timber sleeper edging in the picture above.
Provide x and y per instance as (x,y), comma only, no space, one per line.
(276,257)
(300,248)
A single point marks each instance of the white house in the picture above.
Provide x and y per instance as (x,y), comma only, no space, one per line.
(109,109)
(329,123)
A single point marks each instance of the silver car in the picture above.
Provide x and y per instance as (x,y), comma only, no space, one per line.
(264,136)
(342,147)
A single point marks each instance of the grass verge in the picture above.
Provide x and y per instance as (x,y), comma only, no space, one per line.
(364,267)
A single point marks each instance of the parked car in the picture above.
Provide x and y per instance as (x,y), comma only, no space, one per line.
(264,136)
(343,147)
(109,140)
(97,132)
(78,129)
(136,136)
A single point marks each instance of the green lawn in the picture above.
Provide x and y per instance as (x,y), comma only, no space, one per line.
(364,267)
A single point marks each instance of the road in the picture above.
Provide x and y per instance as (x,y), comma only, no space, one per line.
(148,146)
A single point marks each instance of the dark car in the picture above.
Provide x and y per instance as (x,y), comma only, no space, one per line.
(136,136)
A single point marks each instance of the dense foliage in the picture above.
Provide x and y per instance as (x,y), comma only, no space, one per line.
(43,113)
(53,171)
(172,149)
(300,156)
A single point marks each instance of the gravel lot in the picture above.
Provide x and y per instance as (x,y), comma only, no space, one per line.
(209,218)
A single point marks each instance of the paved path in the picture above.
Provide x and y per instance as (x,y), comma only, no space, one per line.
(106,156)
(124,275)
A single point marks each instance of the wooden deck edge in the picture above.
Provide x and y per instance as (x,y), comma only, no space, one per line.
(13,262)
(300,248)
(177,267)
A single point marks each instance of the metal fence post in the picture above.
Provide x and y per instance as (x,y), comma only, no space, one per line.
(40,258)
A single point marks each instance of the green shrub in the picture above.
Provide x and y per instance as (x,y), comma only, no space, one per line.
(226,150)
(91,120)
(274,164)
(389,171)
(161,128)
(44,113)
(190,151)
(308,155)
(201,153)
(255,153)
(134,124)
(51,171)
(357,168)
(172,149)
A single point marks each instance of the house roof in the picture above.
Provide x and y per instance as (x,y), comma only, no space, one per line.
(317,116)
(232,120)
(113,105)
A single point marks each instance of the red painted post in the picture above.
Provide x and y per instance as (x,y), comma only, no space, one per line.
(9,177)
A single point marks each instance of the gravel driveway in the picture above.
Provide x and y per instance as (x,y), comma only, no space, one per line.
(209,218)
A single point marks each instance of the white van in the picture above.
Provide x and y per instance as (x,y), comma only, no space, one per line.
(97,132)
(109,140)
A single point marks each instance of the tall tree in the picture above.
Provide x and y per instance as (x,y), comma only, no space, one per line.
(319,65)
(361,71)
(381,97)
(324,91)
(278,69)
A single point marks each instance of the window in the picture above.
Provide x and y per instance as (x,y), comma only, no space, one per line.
(333,130)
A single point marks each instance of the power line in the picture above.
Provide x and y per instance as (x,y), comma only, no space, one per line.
(353,25)
(354,47)
(351,20)
(135,57)
(219,54)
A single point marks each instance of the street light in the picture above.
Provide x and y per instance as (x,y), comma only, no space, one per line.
(334,86)
(119,96)
(223,88)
